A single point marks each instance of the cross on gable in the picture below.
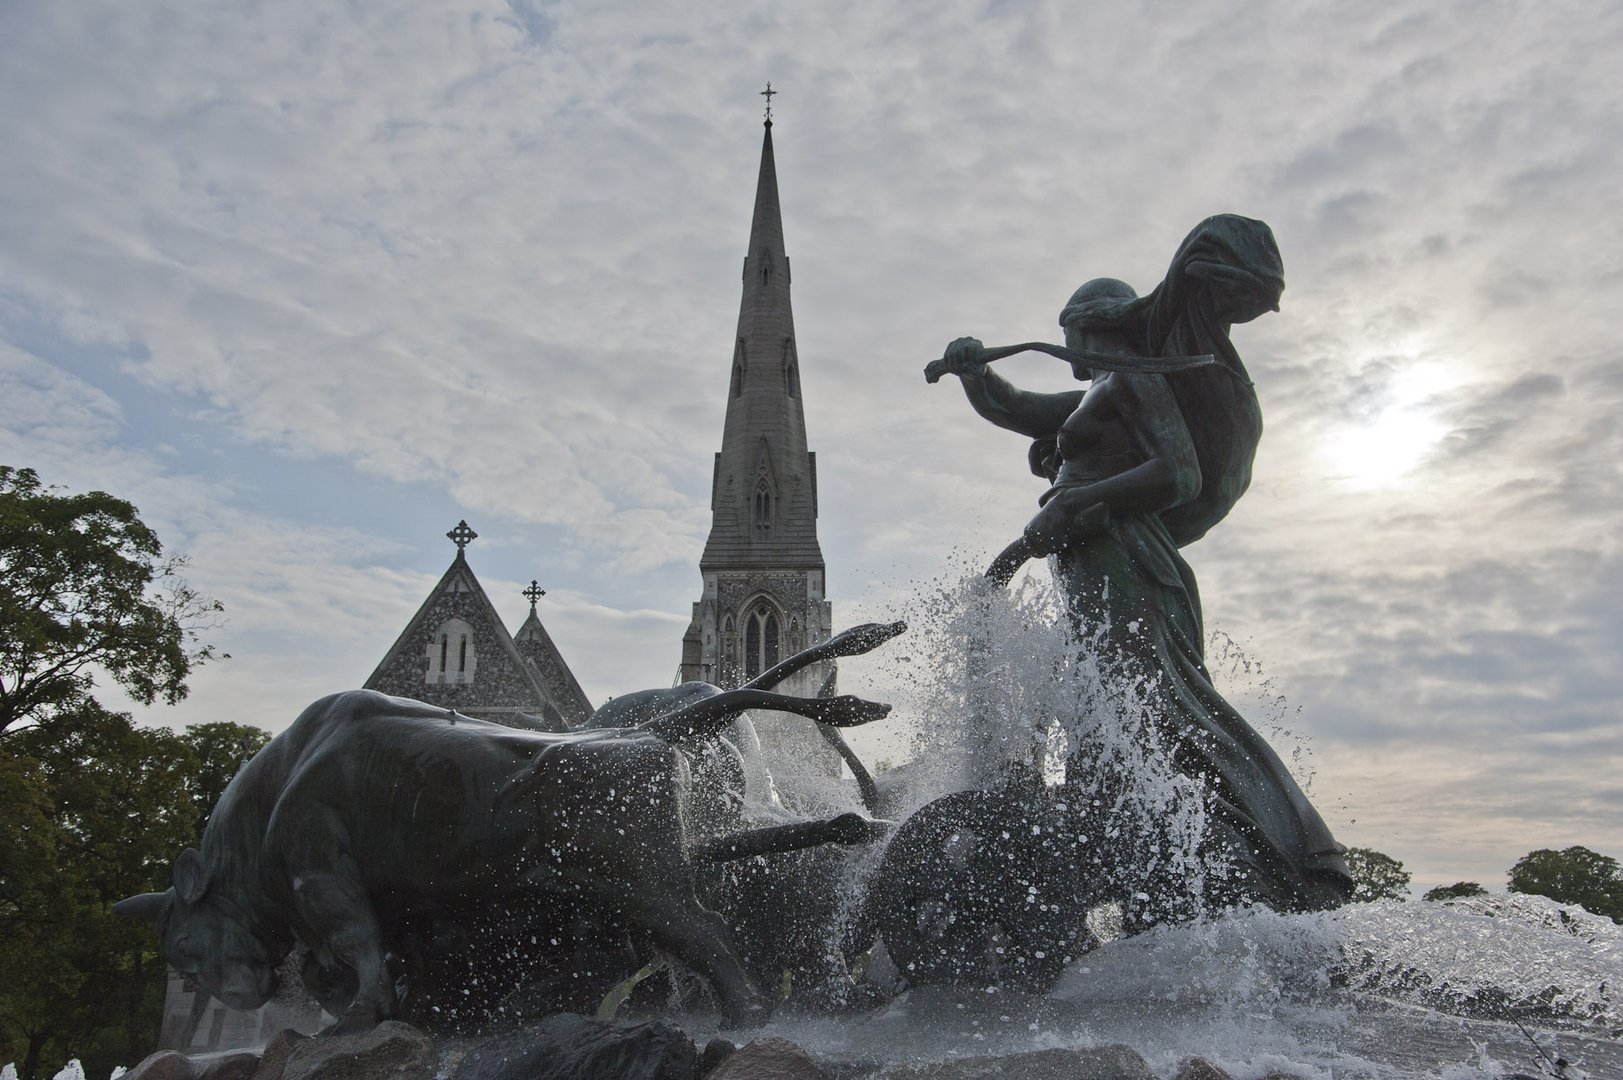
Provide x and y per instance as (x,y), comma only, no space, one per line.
(768,93)
(534,593)
(461,536)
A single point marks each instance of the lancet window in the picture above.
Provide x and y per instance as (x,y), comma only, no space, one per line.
(451,654)
(763,505)
(761,640)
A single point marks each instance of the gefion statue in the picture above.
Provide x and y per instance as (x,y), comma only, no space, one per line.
(1152,454)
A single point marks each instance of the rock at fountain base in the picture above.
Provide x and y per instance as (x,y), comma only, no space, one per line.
(1113,1062)
(769,1059)
(572,1047)
(390,1051)
(1198,1068)
(173,1065)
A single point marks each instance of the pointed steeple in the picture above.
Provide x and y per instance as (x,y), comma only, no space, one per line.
(764,492)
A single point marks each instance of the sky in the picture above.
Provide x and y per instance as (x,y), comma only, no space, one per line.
(310,282)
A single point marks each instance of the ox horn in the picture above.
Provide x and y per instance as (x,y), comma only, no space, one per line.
(147,905)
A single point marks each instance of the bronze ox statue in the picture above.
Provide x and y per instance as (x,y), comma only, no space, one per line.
(372,816)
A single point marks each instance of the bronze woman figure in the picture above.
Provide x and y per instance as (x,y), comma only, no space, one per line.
(1150,456)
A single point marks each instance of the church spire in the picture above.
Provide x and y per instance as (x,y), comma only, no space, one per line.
(764,493)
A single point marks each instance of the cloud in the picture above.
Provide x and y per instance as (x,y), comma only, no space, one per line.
(482,259)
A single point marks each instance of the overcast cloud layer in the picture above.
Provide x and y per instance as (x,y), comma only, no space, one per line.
(309,282)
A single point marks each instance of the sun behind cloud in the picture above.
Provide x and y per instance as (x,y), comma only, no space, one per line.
(1387,445)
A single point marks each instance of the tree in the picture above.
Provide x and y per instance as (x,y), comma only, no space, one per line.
(84,586)
(219,750)
(75,979)
(92,807)
(1575,875)
(1454,891)
(1376,876)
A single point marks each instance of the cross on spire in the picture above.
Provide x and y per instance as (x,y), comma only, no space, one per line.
(461,536)
(534,593)
(768,93)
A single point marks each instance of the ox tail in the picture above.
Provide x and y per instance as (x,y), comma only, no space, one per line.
(845,829)
(707,717)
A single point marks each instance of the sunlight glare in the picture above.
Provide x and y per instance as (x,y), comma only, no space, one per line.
(1385,449)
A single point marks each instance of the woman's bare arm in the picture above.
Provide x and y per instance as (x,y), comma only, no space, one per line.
(1036,416)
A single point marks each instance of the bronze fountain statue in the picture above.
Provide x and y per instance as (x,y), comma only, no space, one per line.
(386,836)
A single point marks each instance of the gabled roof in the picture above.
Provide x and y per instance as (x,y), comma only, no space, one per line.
(535,645)
(501,678)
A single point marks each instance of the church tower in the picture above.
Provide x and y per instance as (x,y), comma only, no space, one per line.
(762,566)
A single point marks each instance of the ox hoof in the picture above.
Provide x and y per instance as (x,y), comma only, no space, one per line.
(855,829)
(751,1014)
(358,1020)
(849,711)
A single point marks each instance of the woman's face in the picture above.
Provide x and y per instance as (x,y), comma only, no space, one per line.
(1101,341)
(1237,304)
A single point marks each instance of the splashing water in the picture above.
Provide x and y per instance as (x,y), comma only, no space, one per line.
(997,686)
(993,683)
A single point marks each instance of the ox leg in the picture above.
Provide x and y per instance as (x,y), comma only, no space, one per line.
(699,938)
(345,936)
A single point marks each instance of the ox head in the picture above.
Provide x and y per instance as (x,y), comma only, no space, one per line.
(208,936)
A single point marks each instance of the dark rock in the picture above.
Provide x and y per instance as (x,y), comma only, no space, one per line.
(769,1059)
(173,1065)
(571,1047)
(164,1065)
(715,1052)
(231,1065)
(1113,1062)
(1281,1076)
(273,1060)
(390,1051)
(1198,1068)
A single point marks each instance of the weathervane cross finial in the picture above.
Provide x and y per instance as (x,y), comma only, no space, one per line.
(461,536)
(534,593)
(767,93)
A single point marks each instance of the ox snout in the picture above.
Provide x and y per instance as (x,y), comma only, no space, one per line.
(247,988)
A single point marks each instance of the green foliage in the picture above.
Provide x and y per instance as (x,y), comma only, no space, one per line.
(113,801)
(219,750)
(1376,876)
(92,807)
(1575,875)
(1454,891)
(84,586)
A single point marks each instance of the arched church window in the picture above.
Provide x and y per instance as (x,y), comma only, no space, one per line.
(761,640)
(452,657)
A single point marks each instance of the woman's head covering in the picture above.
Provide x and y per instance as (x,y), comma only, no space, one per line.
(1228,266)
